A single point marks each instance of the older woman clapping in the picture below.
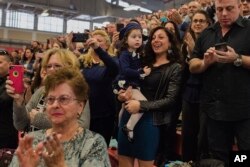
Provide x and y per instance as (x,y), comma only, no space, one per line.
(66,143)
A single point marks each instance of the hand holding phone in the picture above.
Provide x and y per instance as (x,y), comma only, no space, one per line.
(16,73)
(221,46)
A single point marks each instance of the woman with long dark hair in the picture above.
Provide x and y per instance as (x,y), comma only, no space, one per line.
(161,88)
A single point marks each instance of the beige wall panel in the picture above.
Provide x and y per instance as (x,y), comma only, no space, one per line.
(1,33)
(44,36)
(20,35)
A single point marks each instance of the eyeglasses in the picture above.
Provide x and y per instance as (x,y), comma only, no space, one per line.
(62,100)
(3,52)
(55,66)
(199,20)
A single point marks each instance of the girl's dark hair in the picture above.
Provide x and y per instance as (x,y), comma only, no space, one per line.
(176,29)
(124,45)
(209,21)
(24,58)
(174,56)
(37,82)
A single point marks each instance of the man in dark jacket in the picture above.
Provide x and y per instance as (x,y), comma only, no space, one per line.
(8,134)
(225,95)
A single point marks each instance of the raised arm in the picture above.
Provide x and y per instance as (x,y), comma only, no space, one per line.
(109,62)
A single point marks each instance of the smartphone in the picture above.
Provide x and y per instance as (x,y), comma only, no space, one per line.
(221,46)
(119,27)
(16,73)
(80,37)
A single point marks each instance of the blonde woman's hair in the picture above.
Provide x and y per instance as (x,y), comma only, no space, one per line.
(67,57)
(87,59)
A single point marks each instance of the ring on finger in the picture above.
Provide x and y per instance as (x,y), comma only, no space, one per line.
(51,154)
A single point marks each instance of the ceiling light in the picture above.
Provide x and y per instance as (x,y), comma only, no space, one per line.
(45,13)
(135,7)
(131,7)
(145,10)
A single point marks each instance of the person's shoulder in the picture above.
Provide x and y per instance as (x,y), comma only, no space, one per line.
(246,22)
(39,92)
(179,67)
(210,29)
(176,65)
(124,52)
(91,134)
(41,89)
(125,55)
(93,137)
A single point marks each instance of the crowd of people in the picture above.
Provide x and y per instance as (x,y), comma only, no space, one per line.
(132,85)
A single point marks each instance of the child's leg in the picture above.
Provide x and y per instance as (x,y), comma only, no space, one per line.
(120,114)
(134,118)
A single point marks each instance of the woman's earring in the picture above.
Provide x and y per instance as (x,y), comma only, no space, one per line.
(170,51)
(78,115)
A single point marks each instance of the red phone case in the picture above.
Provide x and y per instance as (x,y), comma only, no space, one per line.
(16,76)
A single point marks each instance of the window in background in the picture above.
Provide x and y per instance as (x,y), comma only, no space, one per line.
(77,26)
(1,13)
(52,24)
(19,19)
(98,25)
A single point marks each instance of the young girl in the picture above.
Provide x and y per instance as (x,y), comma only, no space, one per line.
(131,72)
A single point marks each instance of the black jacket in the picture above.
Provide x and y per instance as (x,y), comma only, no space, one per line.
(6,112)
(167,97)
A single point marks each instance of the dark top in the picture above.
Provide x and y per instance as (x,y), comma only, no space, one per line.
(99,79)
(6,112)
(130,68)
(226,92)
(150,84)
(192,88)
(167,95)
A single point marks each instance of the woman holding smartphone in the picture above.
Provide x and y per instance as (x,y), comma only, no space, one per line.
(31,116)
(27,61)
(100,69)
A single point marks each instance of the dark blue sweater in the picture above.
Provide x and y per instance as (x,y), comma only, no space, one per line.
(130,68)
(100,78)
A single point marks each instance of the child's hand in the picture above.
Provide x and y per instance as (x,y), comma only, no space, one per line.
(147,70)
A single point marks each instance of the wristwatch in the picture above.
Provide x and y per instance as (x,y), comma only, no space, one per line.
(238,61)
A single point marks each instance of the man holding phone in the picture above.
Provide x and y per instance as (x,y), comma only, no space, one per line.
(225,96)
(8,134)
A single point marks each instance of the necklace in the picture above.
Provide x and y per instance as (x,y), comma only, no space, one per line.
(78,131)
(74,135)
